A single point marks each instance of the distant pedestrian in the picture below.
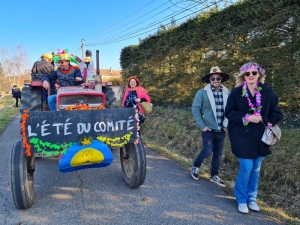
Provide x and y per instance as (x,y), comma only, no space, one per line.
(208,111)
(250,107)
(16,93)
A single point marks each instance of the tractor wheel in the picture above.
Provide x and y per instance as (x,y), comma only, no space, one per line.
(31,99)
(109,97)
(133,162)
(21,177)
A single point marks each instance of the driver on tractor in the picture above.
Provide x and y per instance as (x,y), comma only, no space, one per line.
(66,75)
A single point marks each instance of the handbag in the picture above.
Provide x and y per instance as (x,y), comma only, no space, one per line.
(271,135)
(146,106)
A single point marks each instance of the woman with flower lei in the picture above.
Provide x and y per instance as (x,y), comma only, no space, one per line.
(250,106)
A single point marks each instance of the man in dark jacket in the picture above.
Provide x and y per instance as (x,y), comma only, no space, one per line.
(44,66)
(66,75)
(16,93)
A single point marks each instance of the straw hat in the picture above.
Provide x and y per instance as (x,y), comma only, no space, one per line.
(215,70)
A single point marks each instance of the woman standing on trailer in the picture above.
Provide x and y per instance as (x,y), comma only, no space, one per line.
(135,94)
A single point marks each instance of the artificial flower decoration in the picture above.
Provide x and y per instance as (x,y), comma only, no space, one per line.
(255,108)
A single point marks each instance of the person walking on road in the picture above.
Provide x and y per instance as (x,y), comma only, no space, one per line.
(208,111)
(250,107)
(16,93)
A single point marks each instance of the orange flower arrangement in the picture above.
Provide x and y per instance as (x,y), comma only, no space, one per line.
(23,129)
(84,107)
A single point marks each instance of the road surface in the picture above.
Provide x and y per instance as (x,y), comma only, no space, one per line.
(100,196)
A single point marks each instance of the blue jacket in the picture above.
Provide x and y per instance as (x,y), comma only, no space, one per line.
(204,108)
(64,79)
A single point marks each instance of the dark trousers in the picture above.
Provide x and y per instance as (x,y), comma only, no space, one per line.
(17,100)
(213,142)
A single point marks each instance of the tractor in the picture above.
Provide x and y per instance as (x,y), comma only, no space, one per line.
(81,134)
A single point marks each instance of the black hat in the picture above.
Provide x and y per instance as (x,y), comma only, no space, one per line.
(88,53)
(215,70)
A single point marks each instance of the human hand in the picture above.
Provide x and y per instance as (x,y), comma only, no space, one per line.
(78,79)
(57,86)
(254,119)
(206,129)
(137,100)
(225,129)
(46,84)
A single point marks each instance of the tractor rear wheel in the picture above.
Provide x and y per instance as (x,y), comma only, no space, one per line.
(31,99)
(21,177)
(109,97)
(133,163)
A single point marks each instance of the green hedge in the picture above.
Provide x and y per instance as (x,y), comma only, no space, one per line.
(171,62)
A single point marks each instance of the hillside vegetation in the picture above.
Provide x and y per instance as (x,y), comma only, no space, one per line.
(171,63)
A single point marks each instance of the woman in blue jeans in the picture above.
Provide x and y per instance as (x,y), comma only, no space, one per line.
(250,107)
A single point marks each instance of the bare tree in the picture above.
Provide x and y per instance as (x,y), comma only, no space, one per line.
(15,63)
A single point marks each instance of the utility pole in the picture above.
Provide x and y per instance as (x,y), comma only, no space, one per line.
(82,48)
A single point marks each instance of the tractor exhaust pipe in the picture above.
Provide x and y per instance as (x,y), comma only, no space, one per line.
(97,63)
(98,77)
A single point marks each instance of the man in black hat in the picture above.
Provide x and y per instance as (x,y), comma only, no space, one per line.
(208,111)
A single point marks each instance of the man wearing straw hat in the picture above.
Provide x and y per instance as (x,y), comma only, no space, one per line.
(208,112)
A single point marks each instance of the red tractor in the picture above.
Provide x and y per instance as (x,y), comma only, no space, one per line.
(78,138)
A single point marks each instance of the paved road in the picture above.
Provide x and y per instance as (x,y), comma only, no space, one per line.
(100,196)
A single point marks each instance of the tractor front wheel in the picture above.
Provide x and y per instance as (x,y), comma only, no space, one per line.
(21,177)
(133,162)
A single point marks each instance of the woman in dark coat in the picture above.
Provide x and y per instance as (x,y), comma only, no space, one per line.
(16,92)
(250,106)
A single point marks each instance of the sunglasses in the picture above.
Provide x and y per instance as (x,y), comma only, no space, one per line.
(254,73)
(213,79)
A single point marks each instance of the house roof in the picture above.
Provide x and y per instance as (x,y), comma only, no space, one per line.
(109,72)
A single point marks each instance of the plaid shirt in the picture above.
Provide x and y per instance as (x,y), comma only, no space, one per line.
(218,95)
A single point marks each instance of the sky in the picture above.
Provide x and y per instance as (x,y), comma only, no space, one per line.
(105,25)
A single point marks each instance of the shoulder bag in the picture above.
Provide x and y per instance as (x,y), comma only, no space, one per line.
(271,135)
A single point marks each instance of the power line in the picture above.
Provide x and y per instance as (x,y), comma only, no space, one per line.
(139,18)
(138,10)
(114,41)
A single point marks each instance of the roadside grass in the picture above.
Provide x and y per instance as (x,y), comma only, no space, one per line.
(7,111)
(173,133)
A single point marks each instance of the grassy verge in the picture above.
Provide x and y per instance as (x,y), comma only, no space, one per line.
(173,133)
(7,111)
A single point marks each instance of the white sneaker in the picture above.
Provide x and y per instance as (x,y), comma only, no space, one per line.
(243,208)
(253,206)
(195,173)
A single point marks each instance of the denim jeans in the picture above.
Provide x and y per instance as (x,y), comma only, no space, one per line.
(17,101)
(246,184)
(52,102)
(213,142)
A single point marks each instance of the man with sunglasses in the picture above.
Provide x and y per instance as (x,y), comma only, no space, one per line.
(65,75)
(208,111)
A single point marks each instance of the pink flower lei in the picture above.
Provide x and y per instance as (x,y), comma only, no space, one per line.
(257,108)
